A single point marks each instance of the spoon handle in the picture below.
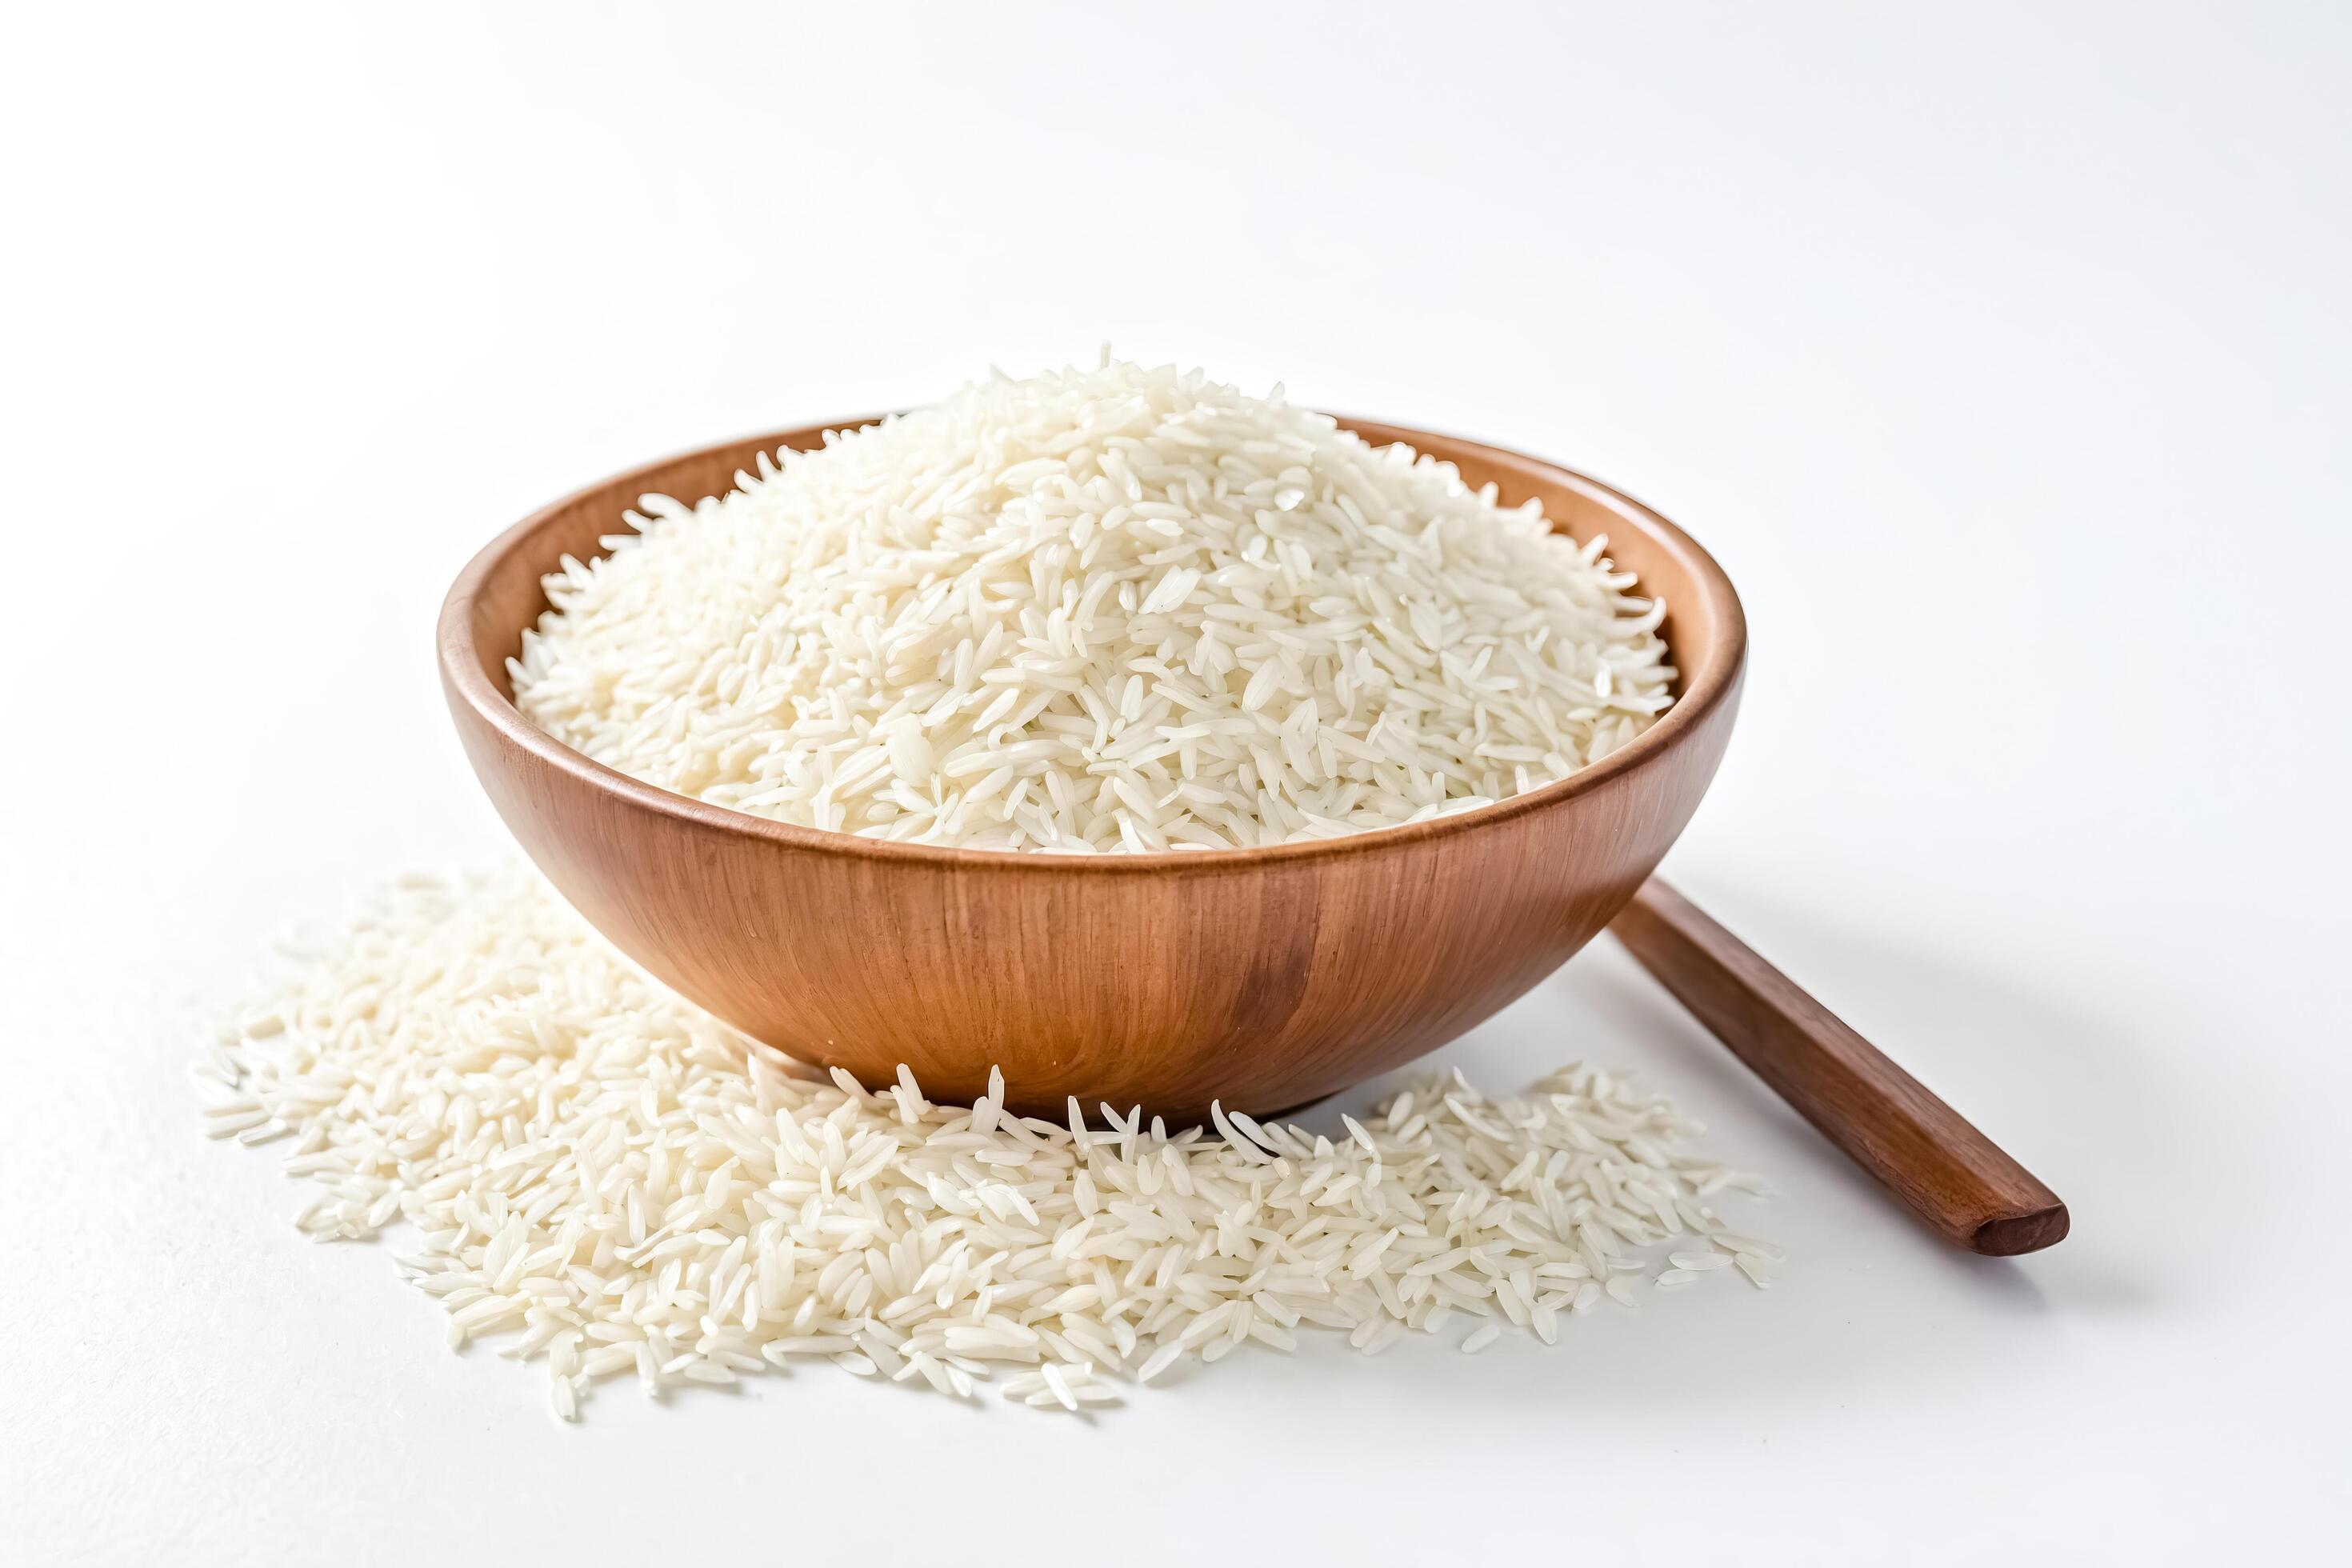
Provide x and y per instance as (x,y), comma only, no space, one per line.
(1951,1175)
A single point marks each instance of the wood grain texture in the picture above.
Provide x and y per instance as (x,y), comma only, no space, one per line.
(1930,1156)
(1265,977)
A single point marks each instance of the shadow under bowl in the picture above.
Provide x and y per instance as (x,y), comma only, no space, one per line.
(1265,978)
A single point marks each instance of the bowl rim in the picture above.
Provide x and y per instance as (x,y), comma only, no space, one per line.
(1716,678)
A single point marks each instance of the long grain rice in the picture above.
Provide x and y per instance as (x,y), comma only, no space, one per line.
(627,1185)
(1122,610)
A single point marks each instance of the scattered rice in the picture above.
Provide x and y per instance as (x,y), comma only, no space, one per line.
(1117,610)
(626,1186)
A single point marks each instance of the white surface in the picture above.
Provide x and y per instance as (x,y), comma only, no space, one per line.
(2001,359)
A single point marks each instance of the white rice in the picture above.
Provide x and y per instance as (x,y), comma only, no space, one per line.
(1117,610)
(619,1182)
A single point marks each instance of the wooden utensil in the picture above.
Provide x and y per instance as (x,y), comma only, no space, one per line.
(1929,1155)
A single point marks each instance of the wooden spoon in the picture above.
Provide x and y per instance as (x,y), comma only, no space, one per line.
(1929,1155)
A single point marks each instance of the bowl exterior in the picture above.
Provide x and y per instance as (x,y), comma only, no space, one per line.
(1261,979)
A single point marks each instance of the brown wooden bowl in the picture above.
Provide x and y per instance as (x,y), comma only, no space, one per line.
(1265,978)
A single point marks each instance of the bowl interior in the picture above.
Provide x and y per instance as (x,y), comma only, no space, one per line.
(1703,628)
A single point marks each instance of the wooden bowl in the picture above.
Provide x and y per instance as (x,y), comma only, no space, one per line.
(1265,978)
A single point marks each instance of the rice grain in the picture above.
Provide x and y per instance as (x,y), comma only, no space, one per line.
(622,1184)
(1114,611)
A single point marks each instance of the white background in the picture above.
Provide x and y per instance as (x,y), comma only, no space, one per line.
(2000,353)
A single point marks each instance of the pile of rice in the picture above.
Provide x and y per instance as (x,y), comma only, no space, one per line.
(1117,610)
(626,1186)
